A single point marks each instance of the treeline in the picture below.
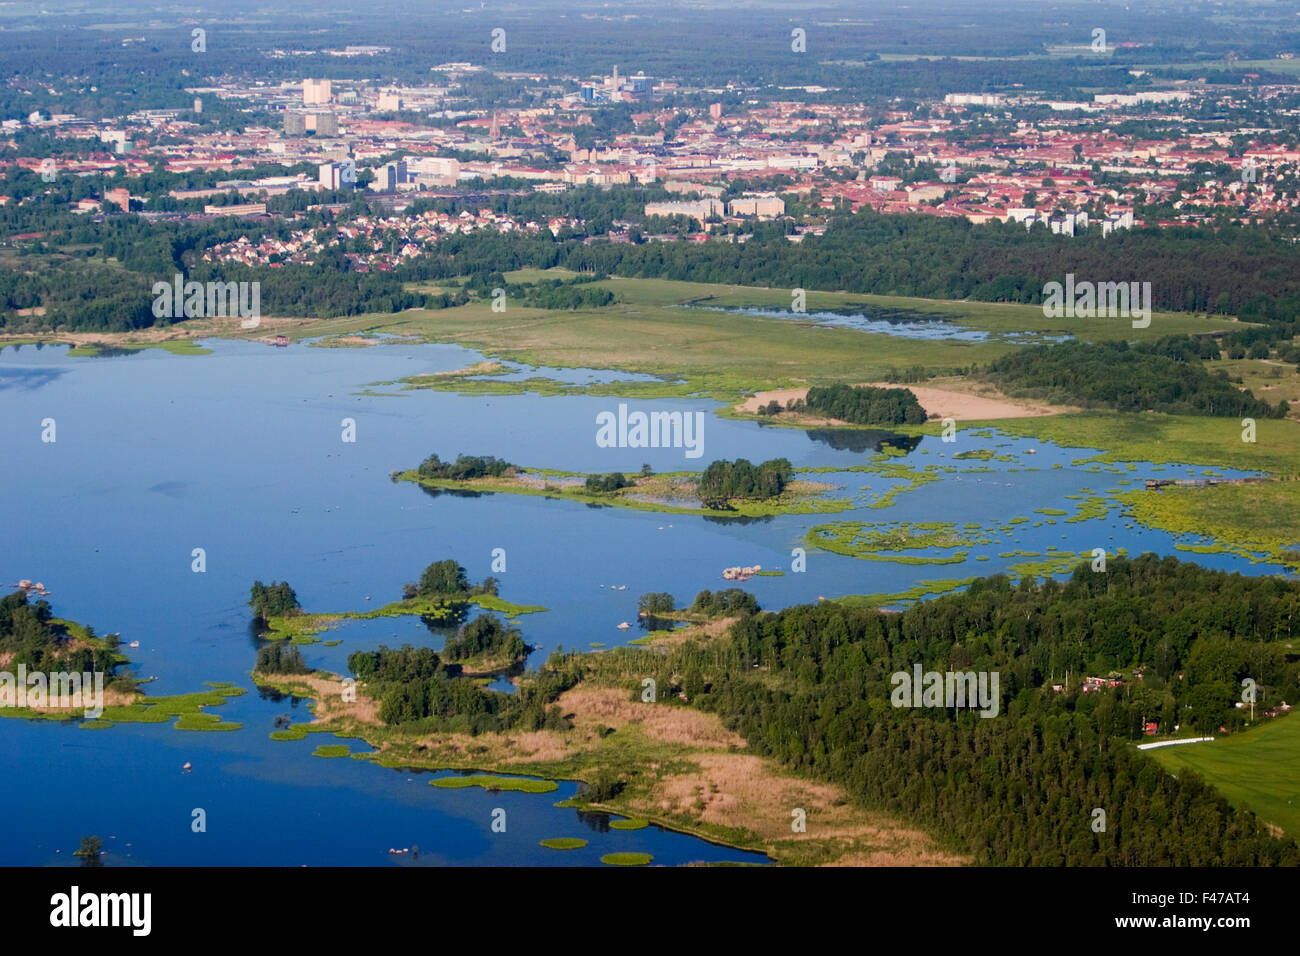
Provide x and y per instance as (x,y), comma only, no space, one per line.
(723,480)
(1165,376)
(272,600)
(811,687)
(866,405)
(416,689)
(1226,269)
(465,467)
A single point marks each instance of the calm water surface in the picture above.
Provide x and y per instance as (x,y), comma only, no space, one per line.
(240,453)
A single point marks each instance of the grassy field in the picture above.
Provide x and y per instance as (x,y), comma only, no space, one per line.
(1269,379)
(1186,439)
(1259,769)
(728,355)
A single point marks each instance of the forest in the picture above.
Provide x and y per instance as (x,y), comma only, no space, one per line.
(809,687)
(1163,376)
(866,405)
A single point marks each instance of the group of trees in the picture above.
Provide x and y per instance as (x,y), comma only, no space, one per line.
(415,688)
(272,600)
(565,294)
(281,657)
(606,484)
(866,405)
(723,480)
(465,467)
(485,636)
(656,603)
(1164,376)
(30,635)
(443,578)
(724,603)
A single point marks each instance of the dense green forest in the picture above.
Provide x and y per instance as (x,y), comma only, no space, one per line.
(810,686)
(723,480)
(1242,270)
(865,405)
(1163,376)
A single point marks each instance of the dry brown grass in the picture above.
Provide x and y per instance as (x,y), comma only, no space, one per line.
(749,792)
(327,691)
(594,707)
(112,698)
(478,368)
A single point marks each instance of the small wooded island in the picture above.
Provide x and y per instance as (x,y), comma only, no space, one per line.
(65,671)
(735,488)
(480,647)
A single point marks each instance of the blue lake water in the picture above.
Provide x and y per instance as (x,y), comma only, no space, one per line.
(240,453)
(899,323)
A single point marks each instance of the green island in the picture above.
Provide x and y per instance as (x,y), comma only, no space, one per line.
(737,488)
(494,782)
(33,638)
(441,599)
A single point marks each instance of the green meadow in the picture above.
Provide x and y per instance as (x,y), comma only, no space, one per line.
(1258,769)
(724,355)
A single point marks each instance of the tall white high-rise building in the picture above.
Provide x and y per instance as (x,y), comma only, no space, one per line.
(315,92)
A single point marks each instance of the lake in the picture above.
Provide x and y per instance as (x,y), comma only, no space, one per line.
(240,453)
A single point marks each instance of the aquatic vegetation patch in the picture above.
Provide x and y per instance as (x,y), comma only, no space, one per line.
(564,843)
(493,782)
(882,541)
(632,824)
